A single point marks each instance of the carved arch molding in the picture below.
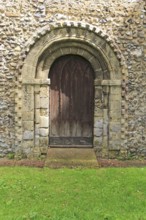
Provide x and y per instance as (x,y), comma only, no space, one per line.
(34,103)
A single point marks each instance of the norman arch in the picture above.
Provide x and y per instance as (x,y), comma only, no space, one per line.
(79,41)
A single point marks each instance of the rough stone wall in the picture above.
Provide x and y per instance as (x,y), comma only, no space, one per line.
(123,20)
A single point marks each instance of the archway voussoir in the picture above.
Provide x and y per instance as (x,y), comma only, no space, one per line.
(27,49)
(23,55)
(43,32)
(83,25)
(68,24)
(97,31)
(87,26)
(103,34)
(79,24)
(91,28)
(38,36)
(52,26)
(32,42)
(118,56)
(59,24)
(112,45)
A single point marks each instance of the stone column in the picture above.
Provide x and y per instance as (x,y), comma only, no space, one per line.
(35,121)
(114,116)
(98,118)
(107,117)
(105,121)
(36,150)
(28,119)
(44,117)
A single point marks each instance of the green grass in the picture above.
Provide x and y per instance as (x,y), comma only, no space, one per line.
(72,194)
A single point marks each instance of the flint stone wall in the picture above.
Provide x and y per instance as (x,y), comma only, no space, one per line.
(124,21)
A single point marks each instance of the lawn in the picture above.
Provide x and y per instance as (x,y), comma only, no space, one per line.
(72,194)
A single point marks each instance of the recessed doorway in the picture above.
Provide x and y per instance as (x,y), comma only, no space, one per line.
(71,102)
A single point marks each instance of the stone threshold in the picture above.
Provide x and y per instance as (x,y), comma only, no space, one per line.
(101,163)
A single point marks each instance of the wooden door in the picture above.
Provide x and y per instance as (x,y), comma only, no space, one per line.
(71,102)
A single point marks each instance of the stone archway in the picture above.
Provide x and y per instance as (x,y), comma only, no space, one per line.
(107,85)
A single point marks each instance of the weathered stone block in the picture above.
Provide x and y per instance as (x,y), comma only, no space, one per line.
(37,101)
(98,123)
(44,112)
(97,142)
(44,122)
(114,153)
(37,116)
(37,140)
(44,102)
(99,103)
(44,132)
(28,100)
(105,128)
(28,135)
(115,127)
(37,89)
(116,134)
(115,114)
(27,145)
(98,93)
(28,125)
(36,152)
(27,116)
(43,142)
(37,130)
(105,115)
(114,145)
(44,150)
(28,89)
(98,111)
(115,98)
(98,132)
(44,92)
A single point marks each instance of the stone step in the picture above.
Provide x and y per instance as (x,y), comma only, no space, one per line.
(71,157)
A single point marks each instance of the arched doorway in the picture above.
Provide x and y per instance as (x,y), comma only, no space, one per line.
(84,43)
(71,102)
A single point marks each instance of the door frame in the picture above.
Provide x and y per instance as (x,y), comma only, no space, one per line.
(83,138)
(80,40)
